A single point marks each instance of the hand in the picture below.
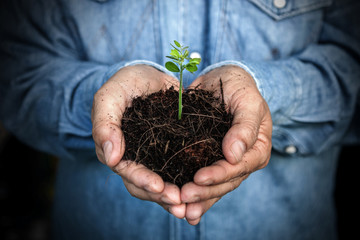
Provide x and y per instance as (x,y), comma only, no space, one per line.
(246,146)
(108,107)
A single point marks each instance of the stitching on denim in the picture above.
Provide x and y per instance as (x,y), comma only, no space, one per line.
(306,9)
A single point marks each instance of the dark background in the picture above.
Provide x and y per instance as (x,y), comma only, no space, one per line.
(26,190)
(27,187)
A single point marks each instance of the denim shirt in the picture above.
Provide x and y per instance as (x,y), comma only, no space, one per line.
(303,54)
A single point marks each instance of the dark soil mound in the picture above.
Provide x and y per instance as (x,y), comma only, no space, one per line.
(175,149)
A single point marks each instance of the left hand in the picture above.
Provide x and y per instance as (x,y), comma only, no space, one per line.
(246,146)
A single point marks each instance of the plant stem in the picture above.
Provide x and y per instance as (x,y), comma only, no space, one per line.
(178,55)
(180,93)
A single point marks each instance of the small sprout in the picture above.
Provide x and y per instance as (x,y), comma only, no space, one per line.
(178,55)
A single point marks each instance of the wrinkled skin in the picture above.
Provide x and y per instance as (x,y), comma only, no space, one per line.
(246,146)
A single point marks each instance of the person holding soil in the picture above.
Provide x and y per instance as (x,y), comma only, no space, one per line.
(290,73)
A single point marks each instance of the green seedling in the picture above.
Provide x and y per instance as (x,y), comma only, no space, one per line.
(181,61)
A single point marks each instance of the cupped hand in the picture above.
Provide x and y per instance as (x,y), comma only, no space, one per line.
(108,107)
(246,146)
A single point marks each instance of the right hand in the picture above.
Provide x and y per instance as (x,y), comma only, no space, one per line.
(108,107)
(246,146)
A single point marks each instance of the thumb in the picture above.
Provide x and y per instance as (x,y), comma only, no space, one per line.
(109,143)
(241,136)
(106,118)
(244,130)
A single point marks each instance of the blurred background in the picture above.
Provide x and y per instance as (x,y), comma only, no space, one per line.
(27,180)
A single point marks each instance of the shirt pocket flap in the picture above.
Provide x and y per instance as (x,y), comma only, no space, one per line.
(280,9)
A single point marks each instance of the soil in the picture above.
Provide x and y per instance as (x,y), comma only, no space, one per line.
(176,149)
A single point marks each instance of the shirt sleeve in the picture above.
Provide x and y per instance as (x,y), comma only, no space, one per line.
(312,94)
(44,78)
(47,84)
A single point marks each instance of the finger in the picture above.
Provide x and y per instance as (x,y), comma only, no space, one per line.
(222,171)
(194,211)
(139,176)
(170,194)
(223,177)
(169,198)
(192,192)
(176,210)
(249,110)
(106,118)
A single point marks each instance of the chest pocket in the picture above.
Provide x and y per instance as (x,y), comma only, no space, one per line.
(281,9)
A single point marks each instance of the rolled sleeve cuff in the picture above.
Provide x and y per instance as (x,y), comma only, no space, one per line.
(275,82)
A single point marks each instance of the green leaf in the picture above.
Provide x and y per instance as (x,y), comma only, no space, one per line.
(195,60)
(171,57)
(191,67)
(175,47)
(177,43)
(186,53)
(172,67)
(175,53)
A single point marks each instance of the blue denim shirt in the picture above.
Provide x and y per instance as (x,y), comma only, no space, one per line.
(303,54)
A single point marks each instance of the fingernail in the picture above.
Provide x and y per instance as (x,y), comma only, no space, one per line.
(107,148)
(238,150)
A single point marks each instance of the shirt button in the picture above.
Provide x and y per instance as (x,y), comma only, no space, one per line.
(291,149)
(195,55)
(279,3)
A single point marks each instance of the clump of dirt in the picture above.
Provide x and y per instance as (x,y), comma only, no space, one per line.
(176,149)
